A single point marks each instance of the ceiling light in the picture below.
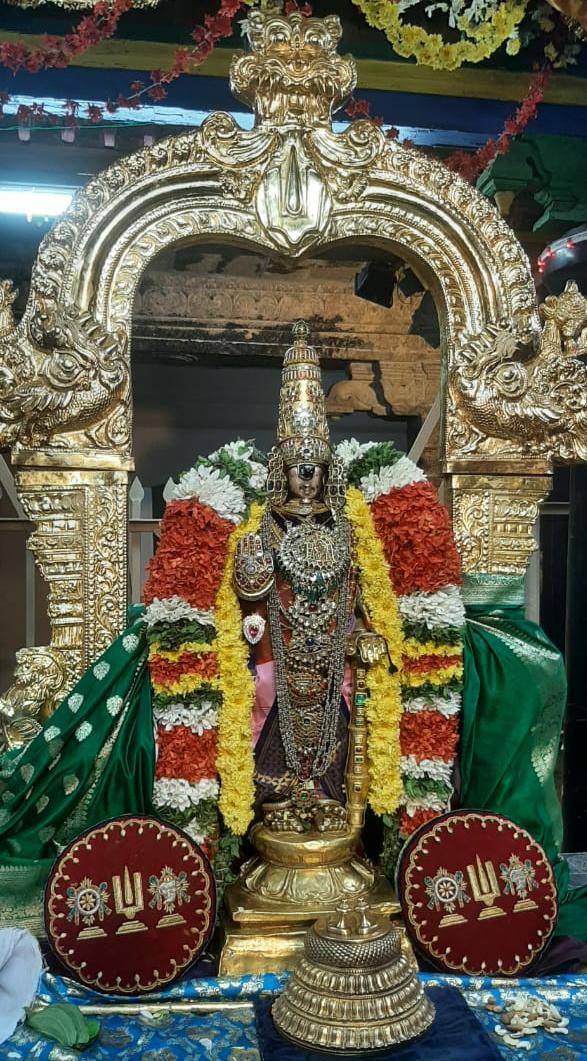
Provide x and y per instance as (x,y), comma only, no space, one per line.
(34,202)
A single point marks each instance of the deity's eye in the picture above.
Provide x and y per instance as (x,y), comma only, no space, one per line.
(315,38)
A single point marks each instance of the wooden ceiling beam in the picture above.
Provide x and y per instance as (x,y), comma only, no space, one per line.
(377,74)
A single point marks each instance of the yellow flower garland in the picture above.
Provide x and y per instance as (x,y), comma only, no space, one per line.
(235,743)
(384,706)
(187,683)
(414,649)
(196,647)
(437,677)
(430,49)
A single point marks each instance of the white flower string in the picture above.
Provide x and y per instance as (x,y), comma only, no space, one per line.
(182,795)
(442,608)
(175,610)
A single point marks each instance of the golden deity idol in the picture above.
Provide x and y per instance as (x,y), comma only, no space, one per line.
(302,616)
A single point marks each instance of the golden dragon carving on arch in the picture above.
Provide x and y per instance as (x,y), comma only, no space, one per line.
(61,371)
(514,394)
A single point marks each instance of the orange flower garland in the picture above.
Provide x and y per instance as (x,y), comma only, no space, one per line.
(417,538)
(190,558)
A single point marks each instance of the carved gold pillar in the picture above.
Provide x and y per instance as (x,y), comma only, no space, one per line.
(493,520)
(79,543)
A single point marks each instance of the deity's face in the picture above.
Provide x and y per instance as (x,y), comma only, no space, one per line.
(305,481)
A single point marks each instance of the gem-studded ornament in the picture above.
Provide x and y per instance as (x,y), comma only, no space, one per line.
(254,628)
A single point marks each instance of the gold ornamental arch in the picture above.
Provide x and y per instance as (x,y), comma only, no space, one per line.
(513,391)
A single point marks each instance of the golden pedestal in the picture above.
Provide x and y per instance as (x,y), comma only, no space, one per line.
(292,881)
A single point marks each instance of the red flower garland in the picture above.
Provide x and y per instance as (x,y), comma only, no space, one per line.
(429,735)
(417,539)
(426,664)
(408,823)
(178,567)
(165,672)
(185,754)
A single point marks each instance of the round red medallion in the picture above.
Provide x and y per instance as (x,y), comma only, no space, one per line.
(130,904)
(477,894)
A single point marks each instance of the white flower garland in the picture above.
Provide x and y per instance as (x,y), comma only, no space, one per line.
(434,768)
(431,802)
(198,717)
(447,705)
(444,607)
(193,829)
(391,477)
(174,610)
(242,451)
(212,487)
(350,449)
(179,794)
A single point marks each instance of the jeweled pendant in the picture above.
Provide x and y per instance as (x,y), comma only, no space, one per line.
(254,628)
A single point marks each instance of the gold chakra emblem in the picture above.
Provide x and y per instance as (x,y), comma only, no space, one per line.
(88,901)
(447,891)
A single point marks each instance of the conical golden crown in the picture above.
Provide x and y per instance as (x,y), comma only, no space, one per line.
(302,430)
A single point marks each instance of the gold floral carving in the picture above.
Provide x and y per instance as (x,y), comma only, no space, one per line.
(79,543)
(493,520)
(288,186)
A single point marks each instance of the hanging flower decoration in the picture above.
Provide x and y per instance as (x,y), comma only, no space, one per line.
(479,39)
(471,165)
(412,569)
(58,52)
(560,50)
(202,688)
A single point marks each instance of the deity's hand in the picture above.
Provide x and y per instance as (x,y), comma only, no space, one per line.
(253,568)
(368,646)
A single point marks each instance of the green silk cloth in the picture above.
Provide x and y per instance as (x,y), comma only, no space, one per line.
(513,706)
(94,759)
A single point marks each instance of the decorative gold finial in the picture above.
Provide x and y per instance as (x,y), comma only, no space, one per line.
(302,430)
(292,73)
(340,926)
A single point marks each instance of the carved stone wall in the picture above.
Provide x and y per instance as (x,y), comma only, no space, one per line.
(202,311)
